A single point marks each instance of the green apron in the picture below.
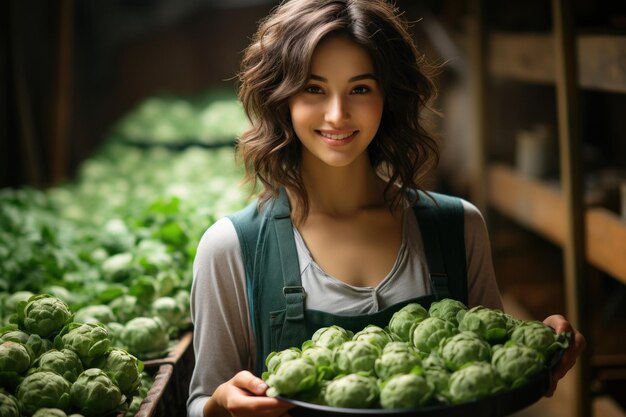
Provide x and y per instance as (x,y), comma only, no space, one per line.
(274,288)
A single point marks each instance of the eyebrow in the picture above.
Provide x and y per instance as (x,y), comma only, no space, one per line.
(366,76)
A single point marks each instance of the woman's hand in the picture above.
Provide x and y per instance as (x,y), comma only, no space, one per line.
(242,396)
(568,360)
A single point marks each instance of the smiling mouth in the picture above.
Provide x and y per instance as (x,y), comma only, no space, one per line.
(338,136)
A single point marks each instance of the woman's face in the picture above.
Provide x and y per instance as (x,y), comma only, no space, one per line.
(337,114)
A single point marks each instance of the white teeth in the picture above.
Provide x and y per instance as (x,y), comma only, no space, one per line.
(337,137)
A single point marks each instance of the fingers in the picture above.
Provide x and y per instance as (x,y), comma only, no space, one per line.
(249,382)
(578,343)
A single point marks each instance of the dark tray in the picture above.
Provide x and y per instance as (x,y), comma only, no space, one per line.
(497,405)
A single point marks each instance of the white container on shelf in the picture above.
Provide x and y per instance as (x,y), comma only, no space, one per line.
(533,151)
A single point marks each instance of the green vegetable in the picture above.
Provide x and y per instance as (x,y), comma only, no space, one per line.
(463,348)
(447,309)
(14,358)
(397,358)
(146,337)
(291,377)
(96,313)
(64,362)
(331,337)
(322,359)
(50,412)
(517,364)
(9,407)
(374,335)
(355,356)
(88,340)
(540,337)
(427,334)
(124,370)
(489,324)
(94,394)
(43,315)
(404,319)
(352,391)
(43,390)
(475,381)
(275,359)
(405,391)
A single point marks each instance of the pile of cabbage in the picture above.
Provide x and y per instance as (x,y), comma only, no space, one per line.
(51,365)
(448,354)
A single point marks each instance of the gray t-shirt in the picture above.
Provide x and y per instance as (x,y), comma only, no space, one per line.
(223,339)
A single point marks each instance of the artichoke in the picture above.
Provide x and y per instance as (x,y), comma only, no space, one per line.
(355,356)
(463,348)
(405,391)
(43,315)
(397,358)
(427,334)
(88,340)
(9,407)
(14,358)
(403,320)
(517,364)
(447,309)
(64,362)
(476,380)
(374,335)
(43,390)
(489,324)
(94,394)
(540,337)
(331,337)
(352,391)
(291,377)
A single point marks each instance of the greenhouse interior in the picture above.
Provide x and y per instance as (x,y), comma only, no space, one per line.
(119,148)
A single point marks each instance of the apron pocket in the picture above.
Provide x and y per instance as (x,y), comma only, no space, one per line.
(277,321)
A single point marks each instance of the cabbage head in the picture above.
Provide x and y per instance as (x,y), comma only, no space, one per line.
(331,337)
(33,342)
(88,340)
(374,335)
(322,359)
(489,324)
(403,320)
(463,348)
(125,308)
(94,394)
(517,364)
(170,311)
(447,309)
(14,358)
(356,356)
(405,391)
(43,389)
(50,412)
(43,315)
(145,337)
(9,407)
(397,358)
(64,362)
(427,334)
(124,370)
(475,381)
(97,313)
(352,391)
(540,337)
(291,377)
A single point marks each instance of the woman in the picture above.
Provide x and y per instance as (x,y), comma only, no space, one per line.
(335,91)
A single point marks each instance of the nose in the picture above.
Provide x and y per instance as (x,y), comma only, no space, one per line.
(337,109)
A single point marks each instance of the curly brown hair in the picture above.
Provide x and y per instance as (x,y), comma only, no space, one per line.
(275,67)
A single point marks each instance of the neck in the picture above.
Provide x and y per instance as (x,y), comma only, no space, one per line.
(343,191)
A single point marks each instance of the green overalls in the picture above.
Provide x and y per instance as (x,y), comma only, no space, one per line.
(274,289)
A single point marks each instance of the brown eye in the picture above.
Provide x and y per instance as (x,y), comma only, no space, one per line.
(313,89)
(362,89)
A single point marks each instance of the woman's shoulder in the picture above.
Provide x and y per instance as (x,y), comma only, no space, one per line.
(220,238)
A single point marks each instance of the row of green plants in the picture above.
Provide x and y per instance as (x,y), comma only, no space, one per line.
(116,244)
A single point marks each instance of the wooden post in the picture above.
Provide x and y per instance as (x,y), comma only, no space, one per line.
(63,97)
(477,79)
(571,179)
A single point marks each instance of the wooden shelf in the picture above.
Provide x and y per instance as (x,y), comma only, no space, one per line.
(540,207)
(531,58)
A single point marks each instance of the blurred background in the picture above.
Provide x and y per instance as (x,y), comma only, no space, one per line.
(107,106)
